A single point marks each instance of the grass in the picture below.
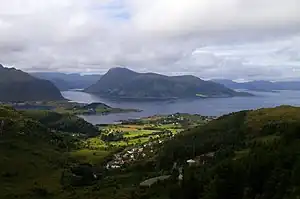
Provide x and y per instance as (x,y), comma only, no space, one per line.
(134,141)
(241,153)
(94,157)
(28,166)
(95,143)
(139,140)
(267,139)
(134,131)
(136,135)
(139,133)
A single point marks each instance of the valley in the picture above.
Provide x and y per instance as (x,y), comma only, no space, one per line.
(162,156)
(101,152)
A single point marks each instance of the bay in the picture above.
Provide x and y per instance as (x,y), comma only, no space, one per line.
(208,107)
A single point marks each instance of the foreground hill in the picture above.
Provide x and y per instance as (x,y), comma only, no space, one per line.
(124,83)
(16,85)
(32,156)
(249,154)
(68,81)
(260,85)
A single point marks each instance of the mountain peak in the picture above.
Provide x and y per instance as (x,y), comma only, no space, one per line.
(120,70)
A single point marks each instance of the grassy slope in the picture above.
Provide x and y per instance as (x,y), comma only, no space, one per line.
(30,163)
(257,156)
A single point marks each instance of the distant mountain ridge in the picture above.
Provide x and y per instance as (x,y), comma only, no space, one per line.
(260,85)
(125,83)
(68,81)
(16,85)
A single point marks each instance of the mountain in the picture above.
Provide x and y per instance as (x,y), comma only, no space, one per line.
(260,85)
(68,81)
(289,85)
(125,83)
(253,85)
(16,85)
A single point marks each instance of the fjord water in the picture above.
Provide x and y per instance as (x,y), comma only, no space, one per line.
(209,107)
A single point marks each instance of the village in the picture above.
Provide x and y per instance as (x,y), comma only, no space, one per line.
(135,141)
(155,130)
(134,154)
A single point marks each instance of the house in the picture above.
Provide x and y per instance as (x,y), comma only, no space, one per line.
(191,162)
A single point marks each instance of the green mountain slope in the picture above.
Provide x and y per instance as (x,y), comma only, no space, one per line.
(16,85)
(124,83)
(31,156)
(256,155)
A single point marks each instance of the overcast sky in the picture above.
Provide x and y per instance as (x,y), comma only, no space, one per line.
(236,39)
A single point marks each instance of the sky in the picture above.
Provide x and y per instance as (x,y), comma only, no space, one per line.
(233,39)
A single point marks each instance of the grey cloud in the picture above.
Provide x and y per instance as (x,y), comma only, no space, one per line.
(209,38)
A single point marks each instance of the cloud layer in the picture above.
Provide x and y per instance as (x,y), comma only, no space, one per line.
(238,39)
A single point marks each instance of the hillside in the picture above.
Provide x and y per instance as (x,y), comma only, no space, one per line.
(61,122)
(124,83)
(243,155)
(31,157)
(16,85)
(68,81)
(249,154)
(260,85)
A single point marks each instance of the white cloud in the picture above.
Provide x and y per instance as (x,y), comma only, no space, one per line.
(209,38)
(214,15)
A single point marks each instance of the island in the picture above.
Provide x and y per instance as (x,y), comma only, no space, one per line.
(125,84)
(69,107)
